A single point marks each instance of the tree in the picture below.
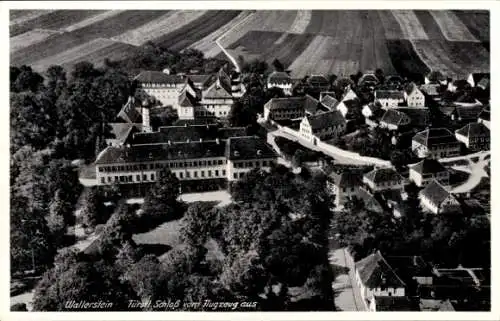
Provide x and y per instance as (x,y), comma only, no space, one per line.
(241,114)
(161,201)
(145,277)
(379,73)
(118,230)
(196,224)
(18,307)
(27,79)
(278,66)
(93,208)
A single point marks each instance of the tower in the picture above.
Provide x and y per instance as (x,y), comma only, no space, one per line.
(146,118)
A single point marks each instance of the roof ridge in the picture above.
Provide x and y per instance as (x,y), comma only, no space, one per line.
(390,267)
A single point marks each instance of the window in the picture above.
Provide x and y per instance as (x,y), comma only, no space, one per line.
(116,178)
(180,175)
(235,176)
(219,162)
(209,163)
(202,173)
(209,173)
(130,179)
(188,175)
(100,169)
(223,172)
(152,177)
(216,172)
(144,177)
(241,174)
(138,177)
(103,180)
(195,173)
(109,179)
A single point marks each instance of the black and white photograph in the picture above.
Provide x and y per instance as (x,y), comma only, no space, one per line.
(249,160)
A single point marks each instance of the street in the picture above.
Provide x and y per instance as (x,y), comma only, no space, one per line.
(477,172)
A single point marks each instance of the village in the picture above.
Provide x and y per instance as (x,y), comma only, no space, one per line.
(436,136)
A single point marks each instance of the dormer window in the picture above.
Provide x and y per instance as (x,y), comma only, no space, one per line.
(236,153)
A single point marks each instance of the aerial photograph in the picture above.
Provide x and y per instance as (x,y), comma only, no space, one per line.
(249,160)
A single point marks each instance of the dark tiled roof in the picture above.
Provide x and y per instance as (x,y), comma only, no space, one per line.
(325,120)
(129,112)
(395,117)
(419,116)
(485,115)
(435,136)
(389,94)
(368,78)
(474,130)
(375,272)
(465,98)
(158,77)
(435,192)
(410,266)
(249,147)
(346,178)
(221,88)
(286,103)
(485,83)
(201,80)
(187,100)
(226,132)
(145,153)
(279,77)
(428,166)
(122,132)
(435,76)
(177,134)
(410,88)
(477,76)
(311,104)
(370,201)
(352,103)
(392,303)
(467,113)
(379,175)
(329,101)
(318,81)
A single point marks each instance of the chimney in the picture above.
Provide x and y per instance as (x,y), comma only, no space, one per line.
(169,142)
(201,139)
(217,141)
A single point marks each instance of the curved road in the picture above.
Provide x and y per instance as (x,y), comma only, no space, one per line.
(477,172)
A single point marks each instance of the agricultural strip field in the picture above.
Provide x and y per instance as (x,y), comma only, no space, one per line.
(301,21)
(107,28)
(20,16)
(451,26)
(265,20)
(405,60)
(93,19)
(453,57)
(167,23)
(207,44)
(52,20)
(29,38)
(410,24)
(392,29)
(478,23)
(195,30)
(94,51)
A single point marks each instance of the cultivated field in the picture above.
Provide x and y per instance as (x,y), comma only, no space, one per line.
(340,42)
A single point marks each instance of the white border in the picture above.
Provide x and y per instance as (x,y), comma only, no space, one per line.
(5,314)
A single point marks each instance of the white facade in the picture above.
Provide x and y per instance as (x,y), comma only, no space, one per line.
(422,180)
(368,293)
(237,169)
(449,204)
(415,99)
(342,194)
(325,133)
(436,152)
(385,185)
(484,122)
(167,94)
(287,87)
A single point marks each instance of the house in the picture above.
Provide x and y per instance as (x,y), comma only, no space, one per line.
(322,126)
(375,277)
(433,305)
(281,80)
(462,114)
(329,102)
(427,170)
(413,96)
(130,112)
(484,83)
(393,80)
(187,105)
(435,143)
(414,271)
(475,78)
(484,117)
(390,303)
(213,161)
(349,107)
(219,97)
(389,98)
(394,120)
(381,179)
(431,90)
(318,83)
(436,199)
(475,136)
(344,185)
(368,79)
(420,117)
(466,100)
(459,84)
(292,107)
(349,94)
(369,201)
(435,77)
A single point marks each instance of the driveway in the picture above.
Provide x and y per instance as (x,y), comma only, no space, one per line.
(477,172)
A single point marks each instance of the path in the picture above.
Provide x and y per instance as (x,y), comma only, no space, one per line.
(477,172)
(347,295)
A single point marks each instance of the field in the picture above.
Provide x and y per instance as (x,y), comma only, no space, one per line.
(409,42)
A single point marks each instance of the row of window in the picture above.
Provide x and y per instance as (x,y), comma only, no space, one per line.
(158,85)
(151,177)
(440,174)
(443,146)
(181,164)
(128,178)
(251,164)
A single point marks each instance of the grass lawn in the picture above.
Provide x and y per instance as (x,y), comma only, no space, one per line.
(166,234)
(87,171)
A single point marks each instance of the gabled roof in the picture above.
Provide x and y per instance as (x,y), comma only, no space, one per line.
(419,116)
(161,152)
(484,114)
(435,193)
(221,88)
(484,83)
(375,272)
(435,136)
(279,77)
(368,78)
(370,201)
(349,92)
(473,130)
(410,88)
(428,166)
(329,102)
(346,179)
(201,80)
(380,175)
(122,132)
(468,113)
(249,147)
(129,113)
(395,117)
(158,77)
(176,134)
(436,76)
(318,81)
(466,98)
(186,99)
(392,303)
(430,89)
(411,266)
(325,120)
(389,94)
(478,76)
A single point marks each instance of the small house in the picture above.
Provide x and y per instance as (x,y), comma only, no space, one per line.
(438,200)
(475,136)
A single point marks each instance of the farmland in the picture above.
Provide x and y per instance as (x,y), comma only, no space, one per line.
(410,42)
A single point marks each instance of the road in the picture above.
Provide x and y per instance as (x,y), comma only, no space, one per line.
(347,294)
(477,172)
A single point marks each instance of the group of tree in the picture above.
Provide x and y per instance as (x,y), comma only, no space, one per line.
(297,153)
